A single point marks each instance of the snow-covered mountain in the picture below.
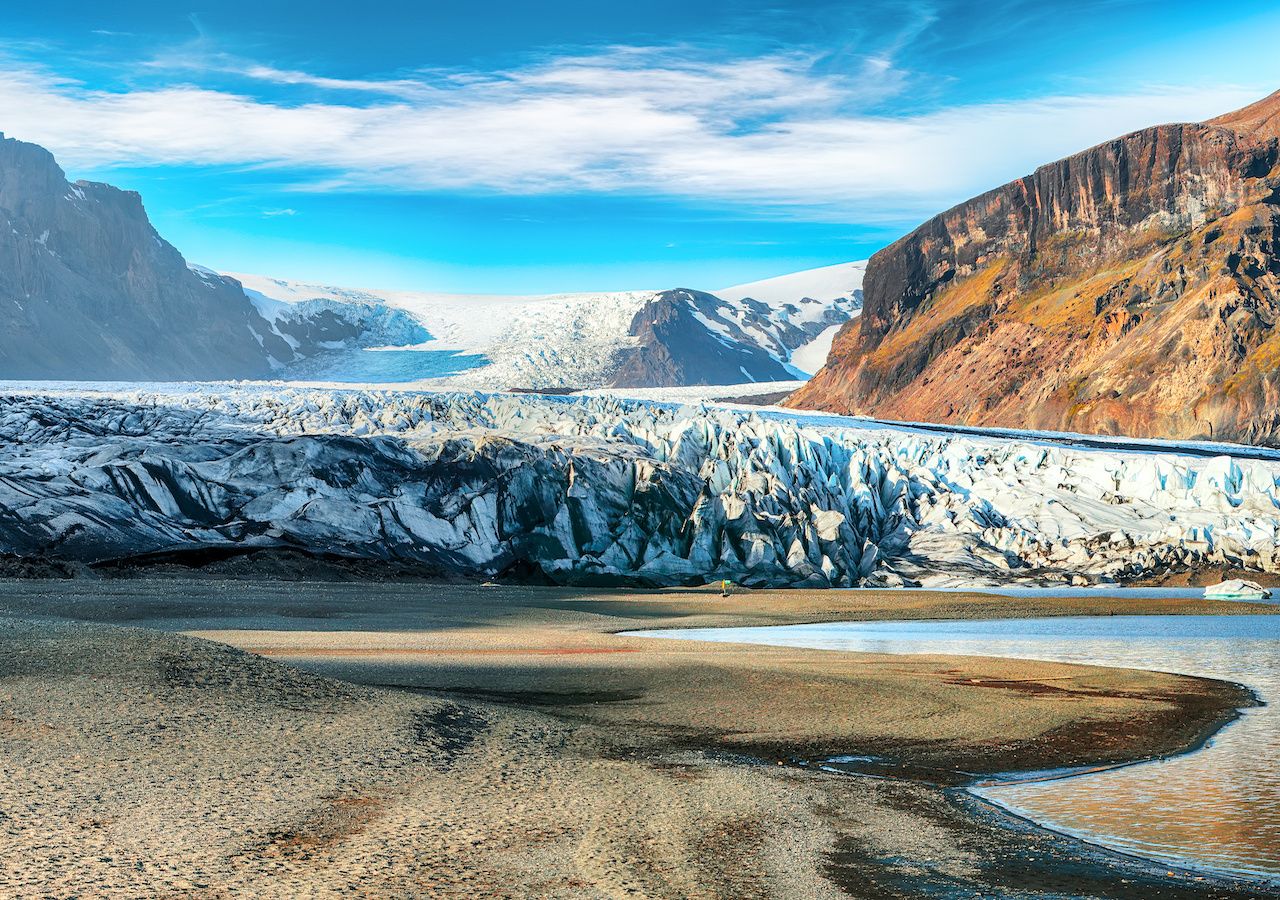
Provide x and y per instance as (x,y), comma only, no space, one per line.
(592,490)
(90,291)
(765,331)
(468,340)
(828,284)
(839,286)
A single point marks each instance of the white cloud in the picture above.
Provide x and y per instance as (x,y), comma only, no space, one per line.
(765,130)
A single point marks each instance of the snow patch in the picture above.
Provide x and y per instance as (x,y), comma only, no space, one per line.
(813,355)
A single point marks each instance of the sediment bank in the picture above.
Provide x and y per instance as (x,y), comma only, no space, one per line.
(505,741)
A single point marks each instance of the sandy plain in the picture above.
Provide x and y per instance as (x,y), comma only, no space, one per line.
(166,737)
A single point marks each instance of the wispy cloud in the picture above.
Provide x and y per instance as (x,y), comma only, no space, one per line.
(289,76)
(197,58)
(774,129)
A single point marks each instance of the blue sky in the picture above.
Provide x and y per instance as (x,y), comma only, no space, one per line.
(556,146)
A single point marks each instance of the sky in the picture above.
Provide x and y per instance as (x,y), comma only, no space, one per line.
(520,147)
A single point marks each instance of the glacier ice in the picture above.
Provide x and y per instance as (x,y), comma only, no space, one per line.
(603,490)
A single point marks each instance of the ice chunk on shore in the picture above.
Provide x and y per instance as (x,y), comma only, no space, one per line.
(1237,589)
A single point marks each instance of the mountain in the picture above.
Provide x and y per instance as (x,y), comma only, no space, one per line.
(1129,289)
(841,283)
(838,286)
(88,290)
(689,337)
(565,341)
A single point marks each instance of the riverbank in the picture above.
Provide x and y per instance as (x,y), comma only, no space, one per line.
(505,741)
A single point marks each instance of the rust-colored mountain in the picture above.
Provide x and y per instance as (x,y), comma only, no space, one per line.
(1130,289)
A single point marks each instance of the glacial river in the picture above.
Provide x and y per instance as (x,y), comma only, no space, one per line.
(1216,809)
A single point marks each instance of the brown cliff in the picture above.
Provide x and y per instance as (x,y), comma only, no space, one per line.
(1133,288)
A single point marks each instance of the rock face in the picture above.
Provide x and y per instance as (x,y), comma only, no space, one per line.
(589,491)
(689,337)
(1130,289)
(88,290)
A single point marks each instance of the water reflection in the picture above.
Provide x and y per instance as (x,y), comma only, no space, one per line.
(1217,809)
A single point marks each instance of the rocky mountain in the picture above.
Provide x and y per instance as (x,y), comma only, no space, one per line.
(598,490)
(314,329)
(88,290)
(1133,288)
(566,341)
(838,287)
(690,337)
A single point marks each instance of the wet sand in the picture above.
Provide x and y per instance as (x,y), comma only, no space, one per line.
(439,740)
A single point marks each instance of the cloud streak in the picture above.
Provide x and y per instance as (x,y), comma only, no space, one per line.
(771,130)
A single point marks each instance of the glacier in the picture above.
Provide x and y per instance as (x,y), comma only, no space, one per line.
(581,340)
(602,490)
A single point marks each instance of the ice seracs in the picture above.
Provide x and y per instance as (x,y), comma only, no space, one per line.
(602,490)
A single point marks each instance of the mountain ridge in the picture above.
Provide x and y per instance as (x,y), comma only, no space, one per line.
(592,340)
(90,291)
(1129,289)
(88,288)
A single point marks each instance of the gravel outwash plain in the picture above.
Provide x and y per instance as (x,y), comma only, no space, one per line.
(393,740)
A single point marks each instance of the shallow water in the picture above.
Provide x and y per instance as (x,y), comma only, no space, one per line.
(1098,591)
(1216,809)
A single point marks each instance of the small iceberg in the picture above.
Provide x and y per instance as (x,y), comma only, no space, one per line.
(1237,589)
